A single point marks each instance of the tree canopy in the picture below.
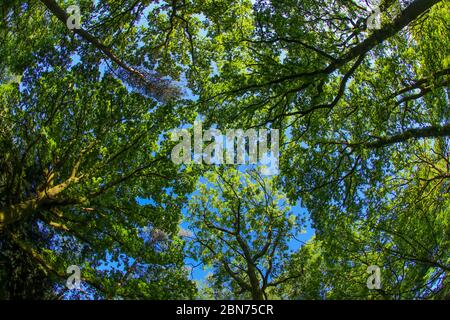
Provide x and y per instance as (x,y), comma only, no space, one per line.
(87,179)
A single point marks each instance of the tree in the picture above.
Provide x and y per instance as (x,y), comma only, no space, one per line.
(365,116)
(79,149)
(242,227)
(86,176)
(401,227)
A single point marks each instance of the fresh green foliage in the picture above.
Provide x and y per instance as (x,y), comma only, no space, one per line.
(242,227)
(86,176)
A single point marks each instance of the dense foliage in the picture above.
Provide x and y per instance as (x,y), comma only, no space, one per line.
(87,179)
